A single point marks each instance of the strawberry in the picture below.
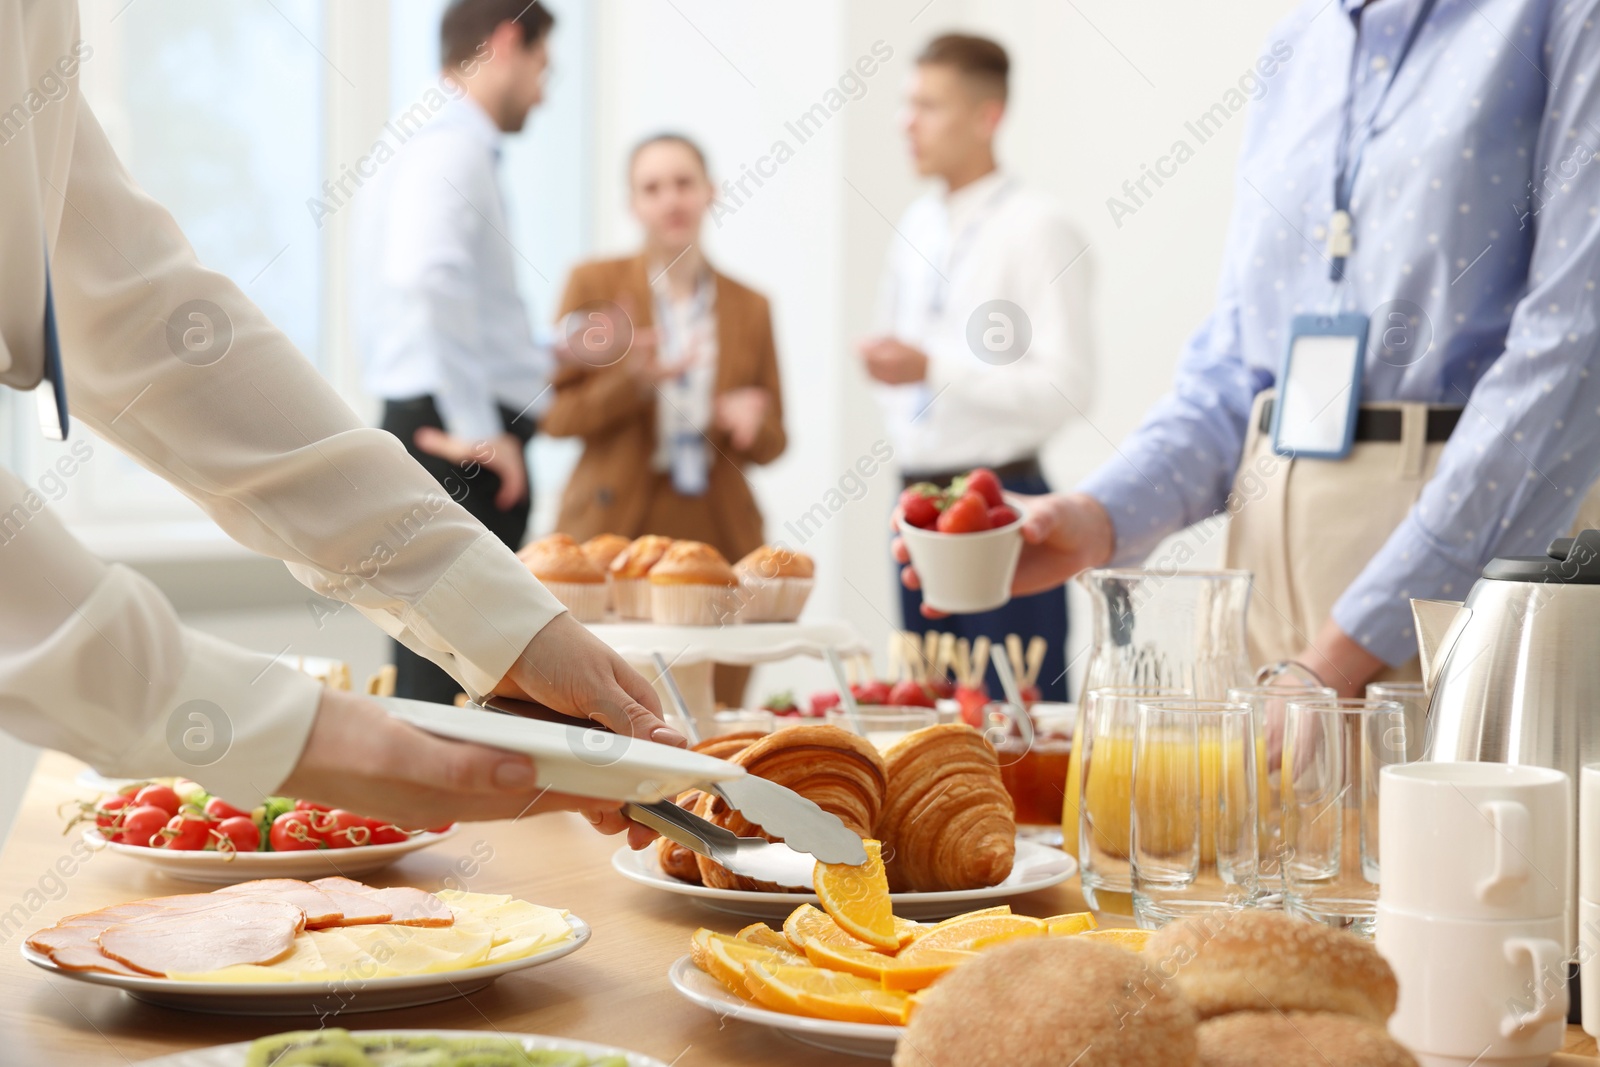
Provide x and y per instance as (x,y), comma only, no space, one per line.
(920,504)
(909,693)
(969,514)
(870,692)
(821,702)
(1004,515)
(980,480)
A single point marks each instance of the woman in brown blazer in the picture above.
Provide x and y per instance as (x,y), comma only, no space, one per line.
(668,428)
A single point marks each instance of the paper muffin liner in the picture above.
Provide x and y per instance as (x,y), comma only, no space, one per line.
(631,597)
(586,600)
(772,599)
(693,605)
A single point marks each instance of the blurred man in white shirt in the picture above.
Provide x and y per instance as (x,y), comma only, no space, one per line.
(984,350)
(444,334)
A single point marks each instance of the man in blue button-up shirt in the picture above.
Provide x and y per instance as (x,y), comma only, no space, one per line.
(1476,223)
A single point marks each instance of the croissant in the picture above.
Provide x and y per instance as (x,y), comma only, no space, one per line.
(948,822)
(676,860)
(837,770)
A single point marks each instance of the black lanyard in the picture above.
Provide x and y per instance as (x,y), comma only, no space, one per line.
(1346,166)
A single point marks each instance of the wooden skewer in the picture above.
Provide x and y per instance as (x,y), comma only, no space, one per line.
(1036,650)
(930,657)
(1014,654)
(895,643)
(963,661)
(980,660)
(914,660)
(947,652)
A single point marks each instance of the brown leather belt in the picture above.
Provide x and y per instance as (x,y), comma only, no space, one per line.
(1386,424)
(1016,470)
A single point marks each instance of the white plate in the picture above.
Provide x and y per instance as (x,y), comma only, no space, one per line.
(855,1039)
(216,868)
(322,999)
(234,1055)
(1036,867)
(586,762)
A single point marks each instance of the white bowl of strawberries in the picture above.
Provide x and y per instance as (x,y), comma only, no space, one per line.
(964,542)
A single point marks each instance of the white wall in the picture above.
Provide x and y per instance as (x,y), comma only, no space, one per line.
(1099,88)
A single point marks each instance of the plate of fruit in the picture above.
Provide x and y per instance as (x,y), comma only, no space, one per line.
(174,825)
(964,541)
(847,976)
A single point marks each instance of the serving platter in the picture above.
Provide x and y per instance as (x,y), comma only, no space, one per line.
(1036,867)
(218,868)
(323,999)
(855,1039)
(234,1055)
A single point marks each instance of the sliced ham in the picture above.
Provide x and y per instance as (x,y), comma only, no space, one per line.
(407,906)
(321,910)
(358,910)
(73,948)
(247,931)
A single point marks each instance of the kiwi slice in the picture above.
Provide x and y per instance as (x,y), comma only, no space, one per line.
(307,1048)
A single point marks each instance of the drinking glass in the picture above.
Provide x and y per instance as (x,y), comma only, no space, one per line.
(1333,754)
(1270,705)
(1413,696)
(742,721)
(1033,764)
(1099,796)
(1195,789)
(880,724)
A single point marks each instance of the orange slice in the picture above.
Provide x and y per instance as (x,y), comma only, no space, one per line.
(765,936)
(976,933)
(981,913)
(724,958)
(1076,922)
(857,898)
(887,971)
(807,921)
(825,994)
(1132,940)
(906,930)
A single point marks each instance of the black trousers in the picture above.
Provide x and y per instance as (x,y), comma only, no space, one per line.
(474,488)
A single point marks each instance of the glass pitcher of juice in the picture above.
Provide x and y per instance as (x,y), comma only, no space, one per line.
(1160,629)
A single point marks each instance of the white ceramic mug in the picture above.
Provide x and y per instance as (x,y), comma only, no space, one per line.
(1475,991)
(1476,840)
(1588,954)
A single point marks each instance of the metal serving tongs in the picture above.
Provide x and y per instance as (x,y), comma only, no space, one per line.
(809,833)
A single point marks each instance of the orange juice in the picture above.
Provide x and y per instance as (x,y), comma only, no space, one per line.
(1108,794)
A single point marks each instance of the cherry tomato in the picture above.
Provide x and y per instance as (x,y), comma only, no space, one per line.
(291,832)
(308,805)
(220,809)
(106,813)
(440,828)
(185,833)
(239,831)
(387,833)
(159,796)
(341,829)
(140,823)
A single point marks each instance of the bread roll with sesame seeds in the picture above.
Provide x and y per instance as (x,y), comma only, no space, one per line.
(1050,1002)
(1298,1039)
(1230,961)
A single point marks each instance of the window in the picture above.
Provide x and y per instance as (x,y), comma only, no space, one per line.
(232,115)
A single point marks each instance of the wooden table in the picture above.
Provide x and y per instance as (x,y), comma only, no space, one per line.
(614,990)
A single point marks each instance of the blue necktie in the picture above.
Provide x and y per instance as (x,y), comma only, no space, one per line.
(52,390)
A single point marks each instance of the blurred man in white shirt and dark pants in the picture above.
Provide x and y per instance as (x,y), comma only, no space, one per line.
(985,345)
(444,335)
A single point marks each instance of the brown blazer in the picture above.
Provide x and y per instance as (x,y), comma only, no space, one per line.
(613,488)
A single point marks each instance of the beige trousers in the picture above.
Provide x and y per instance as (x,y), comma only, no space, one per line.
(1307,527)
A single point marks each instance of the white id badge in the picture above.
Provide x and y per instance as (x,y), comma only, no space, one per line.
(1319,387)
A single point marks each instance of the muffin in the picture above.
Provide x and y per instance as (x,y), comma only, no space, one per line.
(601,550)
(630,591)
(564,570)
(692,585)
(774,583)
